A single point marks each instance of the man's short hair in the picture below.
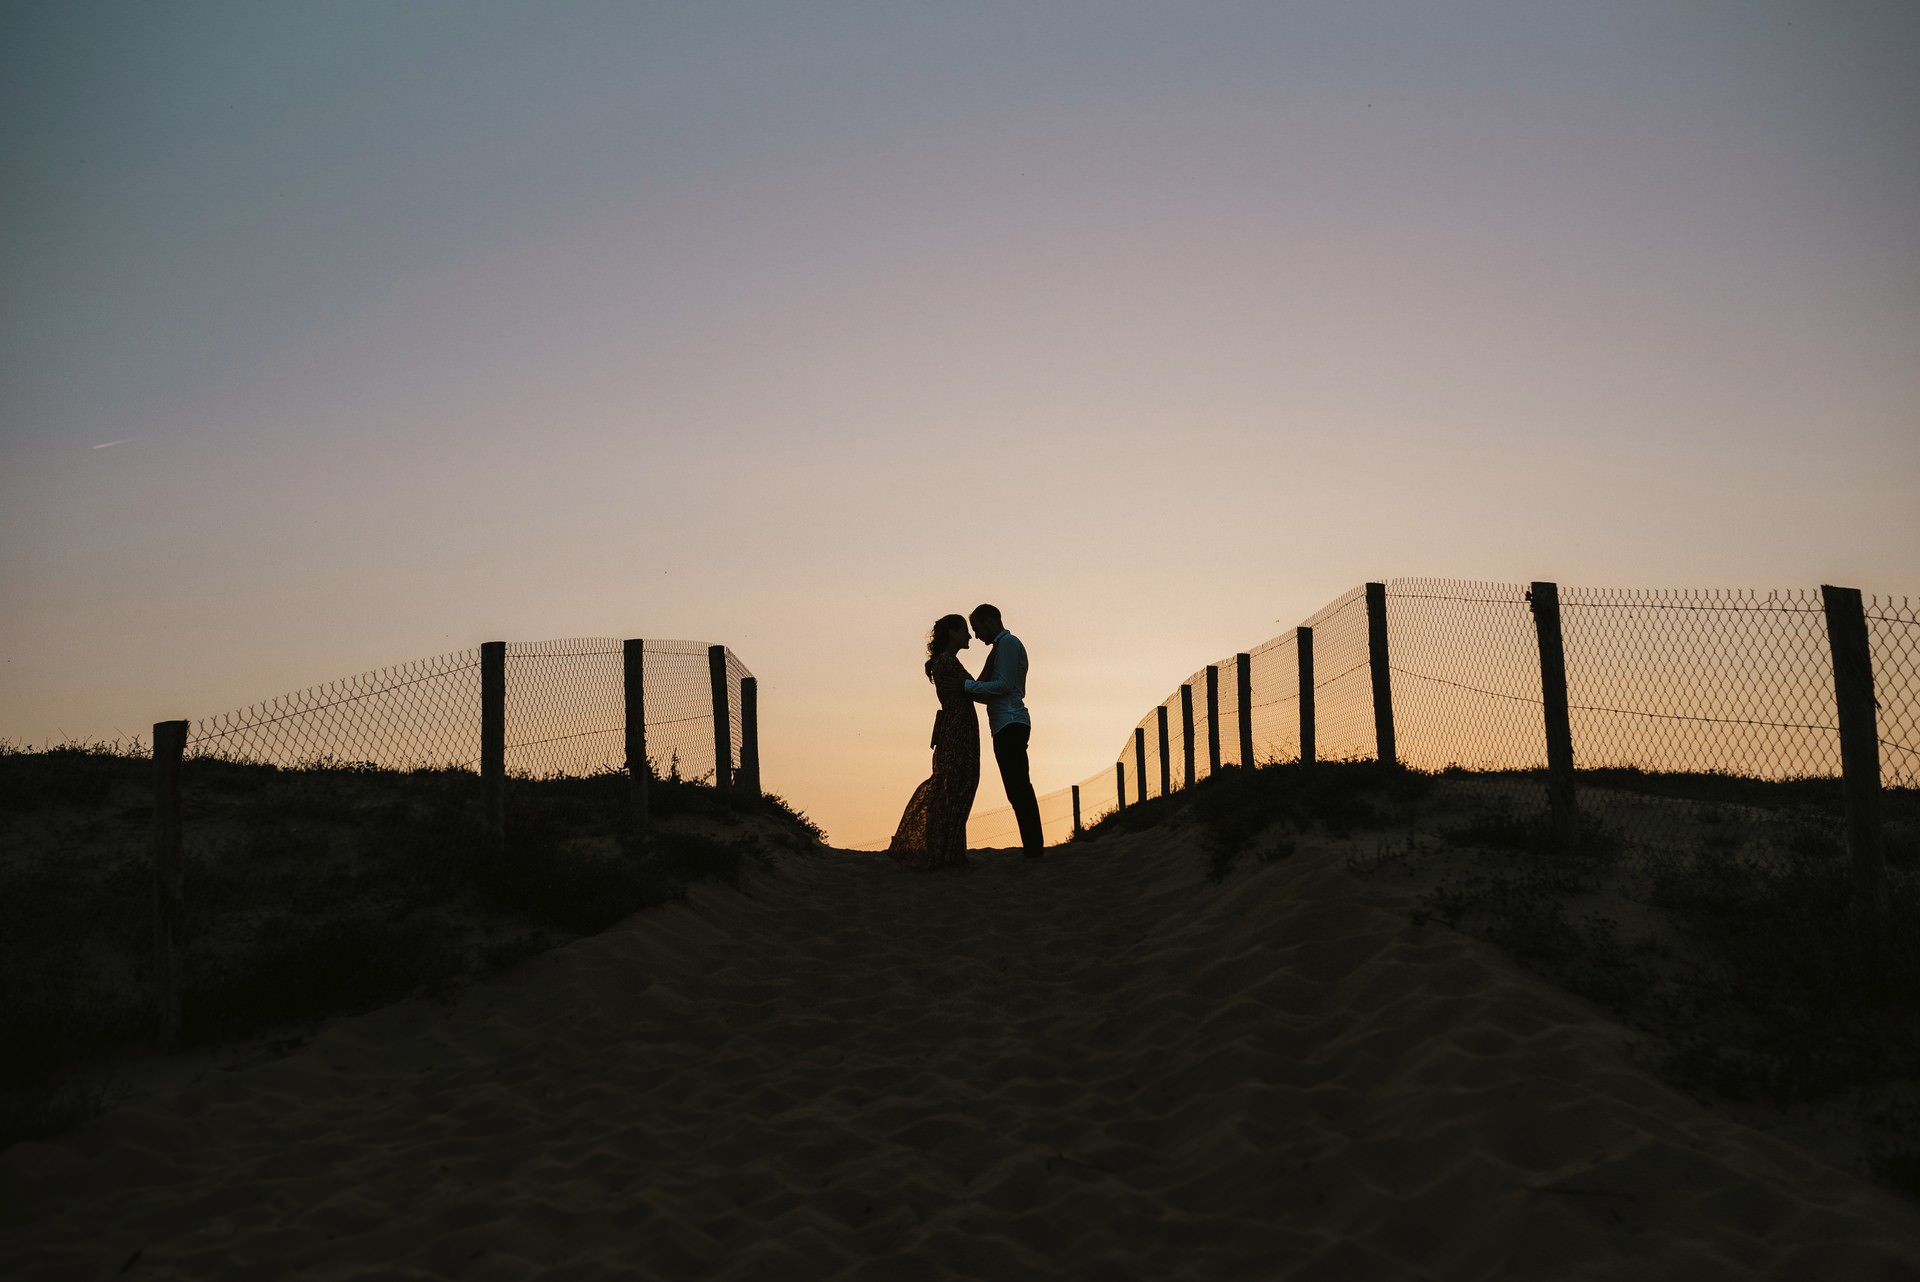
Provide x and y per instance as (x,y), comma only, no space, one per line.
(984,614)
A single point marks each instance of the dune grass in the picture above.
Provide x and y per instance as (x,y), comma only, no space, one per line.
(309,892)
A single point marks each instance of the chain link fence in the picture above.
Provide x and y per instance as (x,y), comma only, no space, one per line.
(565,714)
(1671,692)
(1893,637)
(531,711)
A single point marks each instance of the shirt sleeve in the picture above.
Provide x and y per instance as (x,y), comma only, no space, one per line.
(1009,671)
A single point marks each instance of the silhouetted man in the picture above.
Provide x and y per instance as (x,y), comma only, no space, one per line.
(1002,686)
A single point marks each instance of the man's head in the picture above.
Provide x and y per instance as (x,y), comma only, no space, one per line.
(986,622)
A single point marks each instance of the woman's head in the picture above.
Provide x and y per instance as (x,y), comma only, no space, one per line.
(949,633)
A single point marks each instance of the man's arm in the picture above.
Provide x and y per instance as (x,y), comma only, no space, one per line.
(1010,671)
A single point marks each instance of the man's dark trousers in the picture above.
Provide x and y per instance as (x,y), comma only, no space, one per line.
(1010,750)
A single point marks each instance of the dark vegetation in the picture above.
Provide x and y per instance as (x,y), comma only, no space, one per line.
(1752,982)
(339,887)
(1262,812)
(308,892)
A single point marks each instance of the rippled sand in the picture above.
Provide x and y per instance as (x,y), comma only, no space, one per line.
(1096,1066)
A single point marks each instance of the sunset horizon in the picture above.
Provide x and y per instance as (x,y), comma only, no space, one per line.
(1074,640)
(1424,297)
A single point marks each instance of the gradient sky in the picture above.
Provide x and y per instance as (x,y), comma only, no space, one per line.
(794,327)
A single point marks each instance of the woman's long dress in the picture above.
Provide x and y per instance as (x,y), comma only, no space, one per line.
(933,831)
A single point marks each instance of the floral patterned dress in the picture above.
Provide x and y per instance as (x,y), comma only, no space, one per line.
(933,831)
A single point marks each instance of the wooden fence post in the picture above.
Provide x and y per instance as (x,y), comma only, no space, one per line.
(750,735)
(1140,759)
(1382,676)
(493,740)
(1186,730)
(1859,753)
(639,769)
(1166,754)
(1077,830)
(722,718)
(1213,718)
(1303,646)
(169,901)
(1243,663)
(1545,600)
(1120,784)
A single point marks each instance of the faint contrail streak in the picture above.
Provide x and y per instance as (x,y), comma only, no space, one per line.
(107,445)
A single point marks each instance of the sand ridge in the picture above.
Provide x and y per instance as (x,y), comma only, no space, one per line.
(1094,1066)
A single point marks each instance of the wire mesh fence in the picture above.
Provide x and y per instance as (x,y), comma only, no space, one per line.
(419,715)
(565,714)
(1228,713)
(1274,713)
(1466,684)
(1466,675)
(1893,636)
(537,712)
(1147,750)
(1670,692)
(1342,696)
(1701,681)
(566,707)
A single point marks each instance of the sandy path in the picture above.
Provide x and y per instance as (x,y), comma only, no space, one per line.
(1098,1066)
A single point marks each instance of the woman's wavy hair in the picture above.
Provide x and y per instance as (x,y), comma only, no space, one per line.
(937,639)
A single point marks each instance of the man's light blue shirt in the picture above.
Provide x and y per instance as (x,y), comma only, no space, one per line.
(1005,693)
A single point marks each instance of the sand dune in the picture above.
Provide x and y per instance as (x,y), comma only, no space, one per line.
(1096,1066)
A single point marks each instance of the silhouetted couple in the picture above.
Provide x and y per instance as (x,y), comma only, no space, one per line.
(933,831)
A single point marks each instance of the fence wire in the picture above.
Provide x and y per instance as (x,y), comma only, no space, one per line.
(1202,720)
(1893,637)
(1342,685)
(1274,710)
(1679,680)
(1671,692)
(419,715)
(1229,709)
(1466,675)
(565,714)
(566,707)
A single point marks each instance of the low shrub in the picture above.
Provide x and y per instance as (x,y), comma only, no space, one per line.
(313,891)
(295,966)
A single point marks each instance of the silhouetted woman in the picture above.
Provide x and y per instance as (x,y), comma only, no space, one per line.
(933,831)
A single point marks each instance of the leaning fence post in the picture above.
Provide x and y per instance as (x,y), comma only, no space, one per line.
(639,769)
(1166,755)
(1545,600)
(722,718)
(1859,751)
(750,735)
(1120,784)
(1303,646)
(1243,680)
(1140,759)
(1186,730)
(169,903)
(1076,810)
(1213,718)
(493,739)
(1382,677)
